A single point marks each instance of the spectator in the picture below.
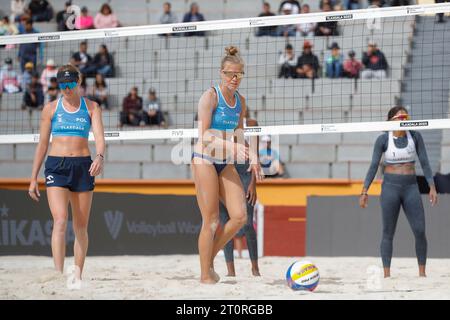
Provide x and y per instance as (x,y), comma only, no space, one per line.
(193,16)
(105,18)
(441,15)
(62,17)
(270,30)
(132,109)
(9,79)
(17,10)
(307,29)
(40,10)
(334,62)
(82,89)
(287,63)
(152,110)
(53,90)
(49,72)
(327,28)
(377,3)
(270,159)
(307,63)
(352,4)
(352,66)
(287,30)
(34,95)
(104,62)
(83,61)
(98,92)
(374,62)
(168,17)
(7,28)
(85,20)
(294,4)
(28,51)
(27,74)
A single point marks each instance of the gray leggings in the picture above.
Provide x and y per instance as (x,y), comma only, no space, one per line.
(248,230)
(402,190)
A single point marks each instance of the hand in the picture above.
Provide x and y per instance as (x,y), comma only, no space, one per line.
(433,196)
(363,200)
(33,190)
(251,194)
(96,166)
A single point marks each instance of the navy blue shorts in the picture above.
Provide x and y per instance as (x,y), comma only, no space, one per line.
(69,172)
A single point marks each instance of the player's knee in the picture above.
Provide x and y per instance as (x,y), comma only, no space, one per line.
(60,225)
(211,223)
(241,219)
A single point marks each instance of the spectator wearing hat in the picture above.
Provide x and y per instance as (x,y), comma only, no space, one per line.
(287,63)
(327,28)
(34,95)
(334,62)
(271,163)
(152,109)
(269,30)
(49,72)
(290,29)
(375,63)
(9,79)
(306,29)
(294,6)
(307,63)
(352,66)
(27,74)
(85,20)
(62,17)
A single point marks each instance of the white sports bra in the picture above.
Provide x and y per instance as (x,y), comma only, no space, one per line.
(394,155)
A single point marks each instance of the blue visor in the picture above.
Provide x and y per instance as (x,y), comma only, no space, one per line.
(64,85)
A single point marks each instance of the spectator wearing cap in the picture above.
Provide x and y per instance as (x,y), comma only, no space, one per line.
(307,63)
(49,72)
(40,10)
(327,28)
(28,51)
(9,79)
(306,29)
(62,17)
(271,163)
(83,61)
(290,29)
(287,63)
(152,109)
(34,95)
(294,5)
(352,66)
(375,63)
(334,62)
(269,30)
(105,18)
(85,20)
(131,109)
(27,74)
(194,15)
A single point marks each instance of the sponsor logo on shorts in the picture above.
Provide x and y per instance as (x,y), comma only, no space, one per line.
(184,28)
(414,124)
(50,179)
(339,17)
(43,38)
(113,222)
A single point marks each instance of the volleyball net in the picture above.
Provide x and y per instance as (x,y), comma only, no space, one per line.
(343,77)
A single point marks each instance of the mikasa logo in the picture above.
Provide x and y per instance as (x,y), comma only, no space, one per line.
(113,222)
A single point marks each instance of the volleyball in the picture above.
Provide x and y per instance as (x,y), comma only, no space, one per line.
(302,275)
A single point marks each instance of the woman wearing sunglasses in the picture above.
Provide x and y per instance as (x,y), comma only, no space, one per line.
(69,170)
(399,188)
(221,111)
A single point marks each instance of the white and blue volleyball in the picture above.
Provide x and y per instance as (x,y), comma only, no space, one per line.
(302,275)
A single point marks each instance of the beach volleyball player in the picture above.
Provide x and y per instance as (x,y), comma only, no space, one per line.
(399,188)
(221,110)
(69,170)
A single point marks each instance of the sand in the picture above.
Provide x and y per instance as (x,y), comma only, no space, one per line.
(176,277)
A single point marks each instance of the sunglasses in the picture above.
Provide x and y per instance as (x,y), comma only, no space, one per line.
(401,117)
(65,85)
(231,74)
